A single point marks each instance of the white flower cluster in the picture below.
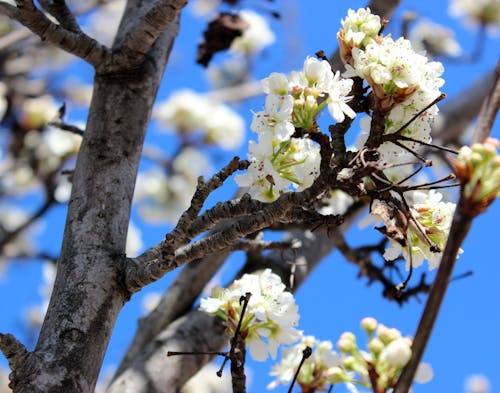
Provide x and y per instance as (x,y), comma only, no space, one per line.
(428,233)
(270,317)
(279,161)
(317,372)
(187,112)
(387,354)
(482,12)
(403,83)
(359,29)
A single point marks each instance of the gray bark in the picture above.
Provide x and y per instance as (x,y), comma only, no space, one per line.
(89,292)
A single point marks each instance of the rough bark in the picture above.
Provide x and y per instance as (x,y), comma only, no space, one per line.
(89,292)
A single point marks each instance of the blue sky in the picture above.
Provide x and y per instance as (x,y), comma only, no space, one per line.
(465,340)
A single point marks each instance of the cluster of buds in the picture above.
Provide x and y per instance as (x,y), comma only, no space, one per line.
(379,367)
(478,169)
(270,317)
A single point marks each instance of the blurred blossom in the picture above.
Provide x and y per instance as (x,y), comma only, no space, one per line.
(134,240)
(482,12)
(62,192)
(35,314)
(207,381)
(79,93)
(188,112)
(11,217)
(163,197)
(335,202)
(231,72)
(4,381)
(3,100)
(434,39)
(104,22)
(203,8)
(36,112)
(149,301)
(256,37)
(477,383)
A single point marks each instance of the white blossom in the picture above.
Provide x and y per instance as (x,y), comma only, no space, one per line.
(256,37)
(315,371)
(434,39)
(477,383)
(38,111)
(207,381)
(271,315)
(188,112)
(477,11)
(428,236)
(293,164)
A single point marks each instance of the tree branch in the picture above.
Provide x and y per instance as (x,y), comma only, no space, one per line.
(59,10)
(76,43)
(145,30)
(460,227)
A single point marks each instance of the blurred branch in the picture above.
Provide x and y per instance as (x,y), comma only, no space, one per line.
(457,113)
(489,110)
(8,236)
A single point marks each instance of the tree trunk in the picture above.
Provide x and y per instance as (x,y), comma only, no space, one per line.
(89,293)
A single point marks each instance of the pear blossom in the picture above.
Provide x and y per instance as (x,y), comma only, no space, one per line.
(256,37)
(434,39)
(270,317)
(203,8)
(163,197)
(188,112)
(477,383)
(293,164)
(359,29)
(428,234)
(207,381)
(37,112)
(317,370)
(394,70)
(477,12)
(335,202)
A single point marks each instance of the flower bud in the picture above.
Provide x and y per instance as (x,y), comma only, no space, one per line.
(369,324)
(397,353)
(347,342)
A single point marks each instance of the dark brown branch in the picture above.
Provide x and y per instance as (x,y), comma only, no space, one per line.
(203,190)
(459,229)
(76,43)
(67,127)
(60,10)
